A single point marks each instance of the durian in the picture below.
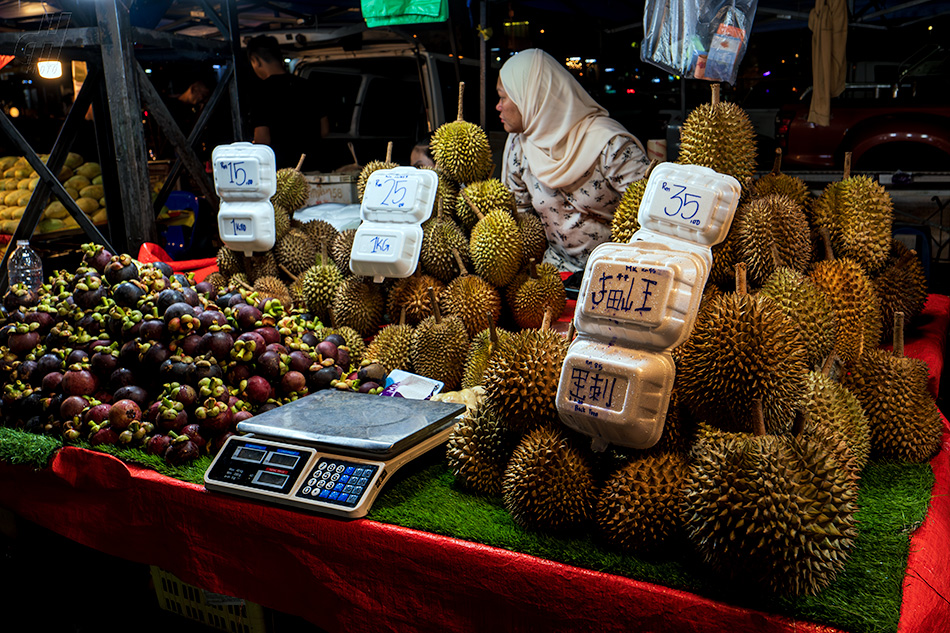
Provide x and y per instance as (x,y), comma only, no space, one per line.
(480,351)
(359,304)
(273,288)
(320,284)
(900,286)
(472,299)
(547,483)
(217,280)
(478,450)
(461,149)
(772,231)
(719,135)
(340,250)
(831,406)
(535,291)
(296,252)
(534,242)
(374,165)
(775,182)
(391,346)
(321,232)
(281,222)
(625,221)
(412,295)
(292,188)
(439,346)
(264,265)
(809,308)
(229,262)
(486,196)
(440,235)
(496,248)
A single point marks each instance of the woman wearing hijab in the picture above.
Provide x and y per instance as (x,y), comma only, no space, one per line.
(564,159)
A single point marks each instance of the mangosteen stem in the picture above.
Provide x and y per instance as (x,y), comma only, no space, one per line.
(532,268)
(389,151)
(899,334)
(299,166)
(435,306)
(742,286)
(492,332)
(758,418)
(546,321)
(798,426)
(287,272)
(777,165)
(461,95)
(478,214)
(458,260)
(402,316)
(715,95)
(826,240)
(847,166)
(653,164)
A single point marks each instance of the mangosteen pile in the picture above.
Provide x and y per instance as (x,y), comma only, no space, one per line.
(120,352)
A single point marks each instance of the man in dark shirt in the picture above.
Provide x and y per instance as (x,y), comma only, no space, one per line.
(287,114)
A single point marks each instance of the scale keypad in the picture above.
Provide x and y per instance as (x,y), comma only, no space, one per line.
(338,482)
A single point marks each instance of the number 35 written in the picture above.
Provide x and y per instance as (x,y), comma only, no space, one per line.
(686,202)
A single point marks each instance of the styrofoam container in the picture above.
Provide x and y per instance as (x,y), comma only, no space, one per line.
(615,394)
(402,195)
(689,202)
(385,250)
(641,294)
(245,178)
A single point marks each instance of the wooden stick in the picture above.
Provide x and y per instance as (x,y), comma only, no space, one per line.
(829,364)
(435,306)
(245,286)
(847,165)
(715,95)
(742,286)
(546,321)
(287,272)
(571,331)
(777,165)
(389,151)
(776,257)
(899,334)
(461,94)
(300,162)
(459,261)
(478,214)
(323,252)
(532,268)
(758,418)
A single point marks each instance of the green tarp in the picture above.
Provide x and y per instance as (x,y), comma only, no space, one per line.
(389,12)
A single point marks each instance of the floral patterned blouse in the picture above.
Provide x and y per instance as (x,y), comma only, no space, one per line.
(578,219)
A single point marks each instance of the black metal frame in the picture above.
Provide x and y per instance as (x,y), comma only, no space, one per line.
(116,87)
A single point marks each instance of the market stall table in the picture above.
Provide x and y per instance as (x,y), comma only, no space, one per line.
(369,576)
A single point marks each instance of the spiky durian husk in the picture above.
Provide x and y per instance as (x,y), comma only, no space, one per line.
(321,232)
(295,251)
(438,350)
(679,429)
(412,293)
(639,507)
(472,299)
(859,215)
(720,137)
(359,304)
(626,222)
(258,266)
(782,184)
(461,151)
(391,347)
(530,297)
(367,171)
(725,255)
(496,248)
(230,262)
(340,250)
(478,449)
(856,306)
(480,351)
(439,236)
(218,281)
(297,295)
(292,190)
(320,284)
(829,405)
(893,391)
(547,483)
(273,288)
(522,377)
(534,242)
(770,511)
(743,348)
(238,280)
(446,192)
(900,286)
(281,222)
(772,231)
(487,196)
(809,308)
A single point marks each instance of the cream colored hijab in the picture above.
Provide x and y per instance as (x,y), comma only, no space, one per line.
(565,130)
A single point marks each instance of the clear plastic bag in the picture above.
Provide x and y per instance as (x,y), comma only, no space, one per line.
(705,39)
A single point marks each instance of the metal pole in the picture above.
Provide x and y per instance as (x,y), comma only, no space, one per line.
(483,66)
(235,36)
(125,112)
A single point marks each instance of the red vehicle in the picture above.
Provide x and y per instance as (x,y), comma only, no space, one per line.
(885,127)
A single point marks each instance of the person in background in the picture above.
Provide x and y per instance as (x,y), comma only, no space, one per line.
(420,155)
(564,159)
(287,114)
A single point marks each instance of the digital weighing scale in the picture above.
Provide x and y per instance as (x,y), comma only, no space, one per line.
(329,452)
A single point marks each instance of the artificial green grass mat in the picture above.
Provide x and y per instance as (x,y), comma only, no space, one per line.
(865,598)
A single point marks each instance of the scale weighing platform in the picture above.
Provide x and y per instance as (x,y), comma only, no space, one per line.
(329,452)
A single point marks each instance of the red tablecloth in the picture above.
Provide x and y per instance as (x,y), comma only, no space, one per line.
(368,576)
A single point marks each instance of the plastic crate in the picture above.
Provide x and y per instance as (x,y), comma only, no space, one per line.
(210,609)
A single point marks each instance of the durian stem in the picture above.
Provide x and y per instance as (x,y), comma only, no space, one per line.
(571,331)
(533,268)
(777,165)
(653,164)
(899,334)
(776,257)
(847,165)
(826,240)
(299,166)
(389,151)
(829,363)
(798,426)
(492,332)
(460,262)
(323,252)
(758,418)
(715,95)
(438,211)
(349,144)
(461,94)
(478,214)
(742,286)
(402,316)
(905,259)
(435,306)
(245,286)
(287,272)
(546,321)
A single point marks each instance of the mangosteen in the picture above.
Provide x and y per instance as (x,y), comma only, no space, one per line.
(97,414)
(368,386)
(186,395)
(327,350)
(151,414)
(190,296)
(71,407)
(123,413)
(277,347)
(180,317)
(180,369)
(171,419)
(129,355)
(240,416)
(163,267)
(79,381)
(89,292)
(51,382)
(247,317)
(152,329)
(19,296)
(166,298)
(224,300)
(205,288)
(189,344)
(157,444)
(322,378)
(121,377)
(23,339)
(104,362)
(180,453)
(343,357)
(210,317)
(193,432)
(270,366)
(217,343)
(299,361)
(77,356)
(25,372)
(95,256)
(136,394)
(182,279)
(258,390)
(91,323)
(236,299)
(214,417)
(155,354)
(374,371)
(309,339)
(247,347)
(105,435)
(128,293)
(269,334)
(336,339)
(120,268)
(45,319)
(238,372)
(267,406)
(207,369)
(293,382)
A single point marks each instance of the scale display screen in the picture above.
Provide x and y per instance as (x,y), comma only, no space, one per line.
(260,466)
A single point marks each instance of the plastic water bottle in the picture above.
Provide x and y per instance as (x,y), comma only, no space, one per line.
(25,266)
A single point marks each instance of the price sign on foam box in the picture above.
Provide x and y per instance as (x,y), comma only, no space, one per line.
(391,192)
(238,227)
(626,292)
(236,175)
(686,204)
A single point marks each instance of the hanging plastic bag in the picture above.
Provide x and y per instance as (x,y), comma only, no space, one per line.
(389,12)
(705,39)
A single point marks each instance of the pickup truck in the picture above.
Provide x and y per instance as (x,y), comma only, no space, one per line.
(884,126)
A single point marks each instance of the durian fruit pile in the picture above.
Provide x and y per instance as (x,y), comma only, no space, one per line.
(782,392)
(81,179)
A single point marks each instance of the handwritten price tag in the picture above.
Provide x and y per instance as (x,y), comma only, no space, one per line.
(391,192)
(376,244)
(242,174)
(686,204)
(624,292)
(590,386)
(238,227)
